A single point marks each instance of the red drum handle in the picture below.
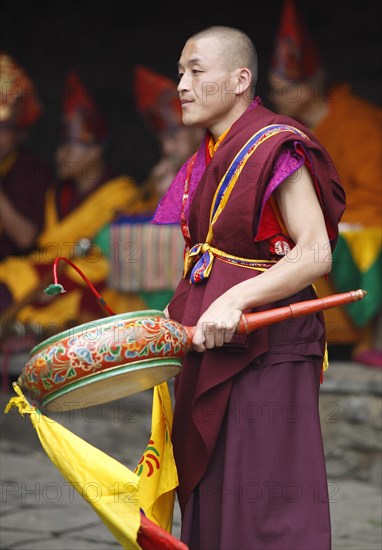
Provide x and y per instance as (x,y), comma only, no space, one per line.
(253,321)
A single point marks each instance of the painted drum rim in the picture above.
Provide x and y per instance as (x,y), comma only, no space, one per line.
(95,324)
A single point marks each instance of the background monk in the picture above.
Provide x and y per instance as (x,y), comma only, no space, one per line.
(149,280)
(87,197)
(351,130)
(247,463)
(158,101)
(24,176)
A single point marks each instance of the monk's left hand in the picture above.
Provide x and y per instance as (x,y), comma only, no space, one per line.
(217,325)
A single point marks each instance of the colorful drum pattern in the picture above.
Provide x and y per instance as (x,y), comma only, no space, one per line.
(104,360)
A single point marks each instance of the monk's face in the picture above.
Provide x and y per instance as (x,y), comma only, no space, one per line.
(76,160)
(206,83)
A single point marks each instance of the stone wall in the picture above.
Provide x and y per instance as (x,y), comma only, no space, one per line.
(351,421)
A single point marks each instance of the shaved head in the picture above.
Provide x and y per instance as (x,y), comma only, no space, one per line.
(236,47)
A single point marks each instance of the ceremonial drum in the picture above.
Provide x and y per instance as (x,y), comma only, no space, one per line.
(104,360)
(124,354)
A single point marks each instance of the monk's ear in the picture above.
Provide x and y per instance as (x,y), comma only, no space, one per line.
(244,80)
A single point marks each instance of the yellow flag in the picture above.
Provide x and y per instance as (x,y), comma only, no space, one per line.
(156,469)
(91,472)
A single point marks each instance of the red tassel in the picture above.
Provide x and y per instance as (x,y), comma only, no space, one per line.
(322,376)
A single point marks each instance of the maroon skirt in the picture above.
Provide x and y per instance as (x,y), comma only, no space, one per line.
(265,487)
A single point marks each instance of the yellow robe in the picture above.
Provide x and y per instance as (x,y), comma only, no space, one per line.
(352,134)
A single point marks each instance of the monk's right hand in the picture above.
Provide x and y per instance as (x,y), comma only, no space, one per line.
(217,325)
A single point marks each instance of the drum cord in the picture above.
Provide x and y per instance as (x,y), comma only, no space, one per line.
(57,288)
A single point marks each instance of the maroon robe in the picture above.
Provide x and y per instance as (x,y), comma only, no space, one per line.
(25,186)
(208,381)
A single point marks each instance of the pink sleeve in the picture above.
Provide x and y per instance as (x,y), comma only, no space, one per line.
(170,206)
(288,161)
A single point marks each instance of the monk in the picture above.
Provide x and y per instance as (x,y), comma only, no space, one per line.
(155,250)
(158,102)
(24,175)
(350,128)
(259,207)
(87,197)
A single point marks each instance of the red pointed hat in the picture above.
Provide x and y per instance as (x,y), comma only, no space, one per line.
(19,104)
(295,55)
(84,123)
(157,99)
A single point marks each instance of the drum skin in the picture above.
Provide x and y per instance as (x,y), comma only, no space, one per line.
(104,360)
